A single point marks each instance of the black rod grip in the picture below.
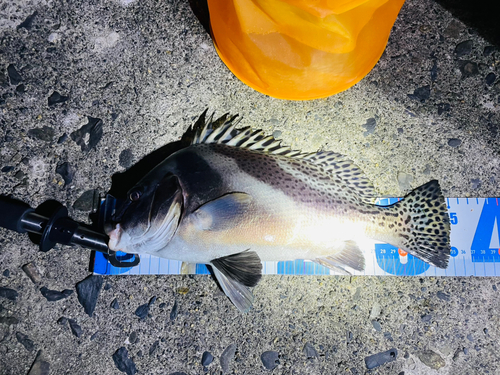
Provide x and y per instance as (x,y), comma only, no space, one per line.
(12,212)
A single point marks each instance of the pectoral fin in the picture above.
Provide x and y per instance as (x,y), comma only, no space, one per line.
(222,213)
(235,273)
(350,256)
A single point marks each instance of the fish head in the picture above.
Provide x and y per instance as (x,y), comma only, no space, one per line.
(148,219)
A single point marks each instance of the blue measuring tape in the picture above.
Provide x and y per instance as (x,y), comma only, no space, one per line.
(475,250)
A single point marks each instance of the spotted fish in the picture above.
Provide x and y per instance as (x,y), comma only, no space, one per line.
(234,197)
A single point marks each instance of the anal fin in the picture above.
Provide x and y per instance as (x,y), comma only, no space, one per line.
(235,273)
(350,256)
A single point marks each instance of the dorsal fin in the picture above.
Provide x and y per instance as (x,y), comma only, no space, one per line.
(223,130)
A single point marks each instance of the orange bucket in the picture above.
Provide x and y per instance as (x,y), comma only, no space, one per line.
(300,49)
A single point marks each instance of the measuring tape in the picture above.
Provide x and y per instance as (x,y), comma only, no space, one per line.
(475,250)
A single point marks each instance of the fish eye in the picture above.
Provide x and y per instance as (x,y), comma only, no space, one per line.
(135,195)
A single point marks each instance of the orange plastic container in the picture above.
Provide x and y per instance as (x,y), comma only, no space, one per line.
(299,49)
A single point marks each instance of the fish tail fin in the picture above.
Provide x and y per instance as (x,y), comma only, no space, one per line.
(423,224)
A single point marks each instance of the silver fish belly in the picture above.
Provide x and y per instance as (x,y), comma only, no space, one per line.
(234,197)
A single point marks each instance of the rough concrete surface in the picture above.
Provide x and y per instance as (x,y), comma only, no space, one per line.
(147,69)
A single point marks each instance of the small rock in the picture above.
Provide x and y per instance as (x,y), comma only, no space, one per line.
(490,78)
(54,295)
(162,305)
(66,172)
(422,93)
(426,318)
(133,338)
(469,337)
(388,336)
(115,304)
(227,356)
(454,142)
(154,347)
(376,325)
(453,29)
(25,341)
(370,125)
(6,273)
(8,293)
(86,201)
(45,133)
(88,291)
(107,286)
(7,168)
(443,296)
(206,358)
(277,134)
(310,351)
(123,362)
(270,359)
(126,158)
(375,311)
(476,183)
(434,71)
(175,311)
(349,336)
(39,367)
(427,170)
(488,50)
(62,138)
(20,89)
(57,98)
(94,336)
(468,68)
(28,22)
(75,327)
(14,77)
(62,321)
(94,130)
(463,48)
(142,311)
(443,107)
(9,320)
(380,359)
(431,359)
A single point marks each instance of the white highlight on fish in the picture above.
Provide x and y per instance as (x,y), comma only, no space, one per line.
(234,197)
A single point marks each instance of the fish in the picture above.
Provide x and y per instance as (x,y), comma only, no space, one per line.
(234,197)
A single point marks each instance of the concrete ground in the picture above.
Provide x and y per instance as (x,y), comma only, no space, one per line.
(147,69)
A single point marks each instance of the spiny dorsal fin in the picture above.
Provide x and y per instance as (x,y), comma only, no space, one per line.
(223,130)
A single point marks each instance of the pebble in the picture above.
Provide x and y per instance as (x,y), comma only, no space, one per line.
(431,359)
(75,327)
(9,320)
(86,201)
(405,180)
(476,183)
(94,131)
(175,311)
(426,318)
(133,338)
(45,133)
(94,336)
(115,304)
(57,98)
(126,158)
(39,366)
(6,273)
(443,295)
(421,93)
(154,347)
(123,362)
(469,337)
(14,77)
(227,356)
(370,126)
(380,359)
(434,71)
(206,358)
(376,325)
(88,291)
(454,142)
(62,138)
(25,341)
(463,48)
(375,311)
(62,321)
(270,359)
(490,78)
(162,305)
(488,50)
(349,336)
(8,293)
(310,351)
(28,22)
(66,171)
(7,168)
(107,286)
(468,68)
(142,311)
(32,272)
(443,107)
(54,295)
